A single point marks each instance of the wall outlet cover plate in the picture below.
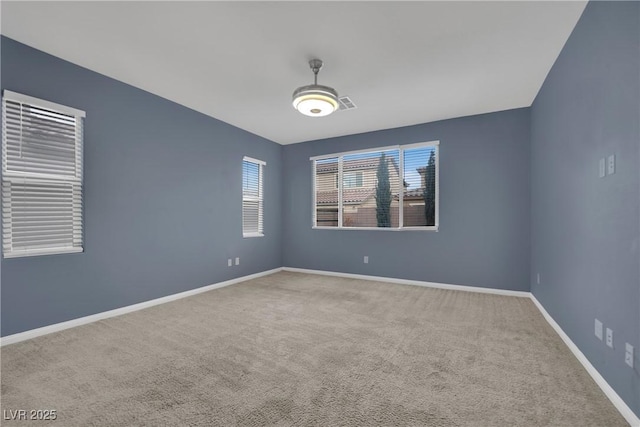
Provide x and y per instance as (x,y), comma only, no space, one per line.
(628,355)
(598,329)
(611,164)
(609,338)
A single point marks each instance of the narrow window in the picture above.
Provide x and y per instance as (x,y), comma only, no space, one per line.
(252,197)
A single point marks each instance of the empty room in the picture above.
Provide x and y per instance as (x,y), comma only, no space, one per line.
(320,213)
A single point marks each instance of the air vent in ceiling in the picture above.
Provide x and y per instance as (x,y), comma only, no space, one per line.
(346,103)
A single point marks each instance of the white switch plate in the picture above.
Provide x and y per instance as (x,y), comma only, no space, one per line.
(237,260)
(598,329)
(366,259)
(609,338)
(628,355)
(538,278)
(229,262)
(601,168)
(611,164)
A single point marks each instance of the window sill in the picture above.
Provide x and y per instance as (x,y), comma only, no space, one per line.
(431,228)
(38,252)
(249,235)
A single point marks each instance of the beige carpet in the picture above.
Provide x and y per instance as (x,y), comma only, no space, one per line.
(306,350)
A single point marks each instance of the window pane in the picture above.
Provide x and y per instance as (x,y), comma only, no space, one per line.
(353,179)
(419,187)
(326,177)
(371,183)
(39,141)
(44,215)
(250,214)
(250,179)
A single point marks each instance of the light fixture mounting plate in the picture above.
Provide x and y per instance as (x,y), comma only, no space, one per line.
(315,65)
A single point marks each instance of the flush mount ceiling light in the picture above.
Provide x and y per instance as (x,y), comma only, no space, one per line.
(315,100)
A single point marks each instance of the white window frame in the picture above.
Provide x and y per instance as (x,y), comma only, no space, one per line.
(18,177)
(400,148)
(260,199)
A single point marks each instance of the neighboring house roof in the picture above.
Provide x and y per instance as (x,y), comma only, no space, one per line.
(353,196)
(415,194)
(354,164)
(359,195)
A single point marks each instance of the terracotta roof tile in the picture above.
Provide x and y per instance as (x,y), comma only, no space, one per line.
(357,195)
(416,192)
(369,163)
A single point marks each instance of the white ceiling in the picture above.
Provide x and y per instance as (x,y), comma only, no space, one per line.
(402,63)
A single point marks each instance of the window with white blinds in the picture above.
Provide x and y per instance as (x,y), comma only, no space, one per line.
(389,188)
(41,177)
(252,197)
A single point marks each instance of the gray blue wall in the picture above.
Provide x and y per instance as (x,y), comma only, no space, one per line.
(162,199)
(585,230)
(484,207)
(520,195)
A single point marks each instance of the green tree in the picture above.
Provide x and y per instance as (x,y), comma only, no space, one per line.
(383,194)
(430,190)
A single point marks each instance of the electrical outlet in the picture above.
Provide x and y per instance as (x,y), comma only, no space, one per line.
(609,338)
(628,355)
(601,168)
(237,260)
(366,259)
(598,329)
(229,262)
(538,278)
(611,164)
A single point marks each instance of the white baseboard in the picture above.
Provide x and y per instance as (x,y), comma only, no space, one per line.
(22,336)
(617,401)
(507,292)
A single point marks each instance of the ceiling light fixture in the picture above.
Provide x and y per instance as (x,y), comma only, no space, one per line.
(315,100)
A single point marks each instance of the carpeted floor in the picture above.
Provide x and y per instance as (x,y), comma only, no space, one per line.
(306,350)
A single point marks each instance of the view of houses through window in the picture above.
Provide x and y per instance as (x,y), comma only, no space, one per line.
(390,188)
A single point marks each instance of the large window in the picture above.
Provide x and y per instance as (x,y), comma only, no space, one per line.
(41,177)
(386,188)
(252,197)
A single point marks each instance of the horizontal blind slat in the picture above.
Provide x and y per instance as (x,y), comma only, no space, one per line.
(37,128)
(15,139)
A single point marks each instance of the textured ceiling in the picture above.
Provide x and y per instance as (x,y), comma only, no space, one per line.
(402,63)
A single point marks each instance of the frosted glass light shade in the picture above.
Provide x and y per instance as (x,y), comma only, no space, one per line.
(315,100)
